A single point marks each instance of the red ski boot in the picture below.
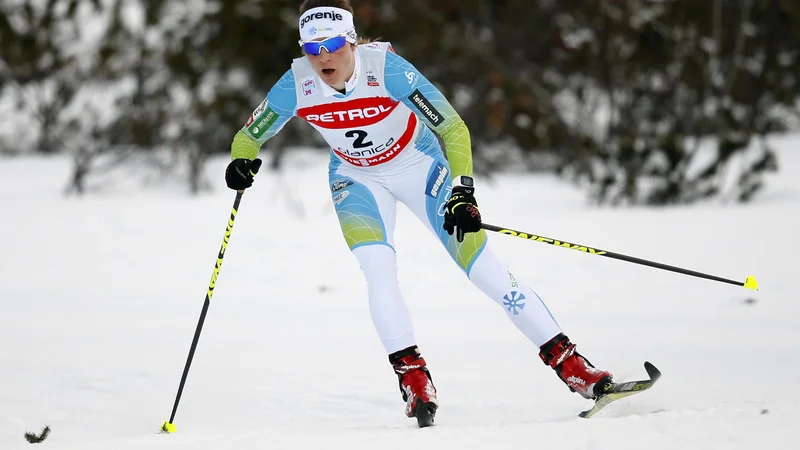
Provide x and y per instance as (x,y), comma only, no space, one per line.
(415,384)
(573,369)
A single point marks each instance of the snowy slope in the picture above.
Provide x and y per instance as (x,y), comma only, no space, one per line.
(100,296)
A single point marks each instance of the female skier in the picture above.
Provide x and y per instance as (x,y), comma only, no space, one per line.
(378,113)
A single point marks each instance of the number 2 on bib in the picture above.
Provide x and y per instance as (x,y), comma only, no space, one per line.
(360,135)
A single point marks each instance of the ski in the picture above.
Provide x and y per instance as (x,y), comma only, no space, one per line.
(621,390)
(424,413)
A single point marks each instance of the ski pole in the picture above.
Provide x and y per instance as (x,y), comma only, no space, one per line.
(749,283)
(169,427)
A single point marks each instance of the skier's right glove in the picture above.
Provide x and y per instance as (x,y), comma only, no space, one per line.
(240,172)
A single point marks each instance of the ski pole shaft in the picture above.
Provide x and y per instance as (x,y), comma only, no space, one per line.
(749,283)
(168,427)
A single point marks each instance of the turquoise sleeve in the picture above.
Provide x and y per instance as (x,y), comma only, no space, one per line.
(267,120)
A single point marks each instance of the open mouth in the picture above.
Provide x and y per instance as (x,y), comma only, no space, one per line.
(328,72)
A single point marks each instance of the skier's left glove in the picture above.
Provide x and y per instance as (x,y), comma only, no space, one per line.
(461,212)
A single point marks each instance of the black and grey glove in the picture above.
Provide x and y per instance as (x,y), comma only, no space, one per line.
(461,212)
(240,172)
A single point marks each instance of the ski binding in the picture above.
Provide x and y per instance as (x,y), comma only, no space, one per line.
(616,391)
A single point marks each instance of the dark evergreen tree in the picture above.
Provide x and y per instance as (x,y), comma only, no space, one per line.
(640,101)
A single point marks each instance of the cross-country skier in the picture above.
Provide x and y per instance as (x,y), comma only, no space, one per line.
(378,113)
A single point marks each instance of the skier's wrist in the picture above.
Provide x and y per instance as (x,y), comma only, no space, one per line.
(463,182)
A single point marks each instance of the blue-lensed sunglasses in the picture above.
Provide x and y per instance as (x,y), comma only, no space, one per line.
(331,45)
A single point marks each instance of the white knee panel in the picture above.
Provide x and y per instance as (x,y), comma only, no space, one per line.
(522,305)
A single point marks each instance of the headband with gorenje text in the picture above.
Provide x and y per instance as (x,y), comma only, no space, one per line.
(327,21)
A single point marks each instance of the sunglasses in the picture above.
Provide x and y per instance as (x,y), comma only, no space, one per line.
(330,45)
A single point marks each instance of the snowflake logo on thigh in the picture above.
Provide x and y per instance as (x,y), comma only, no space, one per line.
(514,300)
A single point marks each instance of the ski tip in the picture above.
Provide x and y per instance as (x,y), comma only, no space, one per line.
(751,283)
(652,371)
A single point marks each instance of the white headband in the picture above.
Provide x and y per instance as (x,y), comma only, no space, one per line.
(327,21)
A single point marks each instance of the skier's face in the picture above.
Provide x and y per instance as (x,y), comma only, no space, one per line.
(334,68)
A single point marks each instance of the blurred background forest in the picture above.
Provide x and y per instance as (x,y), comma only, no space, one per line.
(638,101)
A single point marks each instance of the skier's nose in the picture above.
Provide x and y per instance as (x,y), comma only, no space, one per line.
(324,56)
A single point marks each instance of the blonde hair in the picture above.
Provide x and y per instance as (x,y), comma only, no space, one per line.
(310,4)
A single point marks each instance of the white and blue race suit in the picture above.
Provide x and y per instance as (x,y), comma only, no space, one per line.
(383,150)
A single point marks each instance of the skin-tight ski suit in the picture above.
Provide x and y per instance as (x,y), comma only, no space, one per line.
(383,150)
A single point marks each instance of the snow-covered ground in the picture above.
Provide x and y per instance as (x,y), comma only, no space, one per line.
(100,296)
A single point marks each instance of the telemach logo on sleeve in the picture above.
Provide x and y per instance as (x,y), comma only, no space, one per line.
(262,123)
(424,105)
